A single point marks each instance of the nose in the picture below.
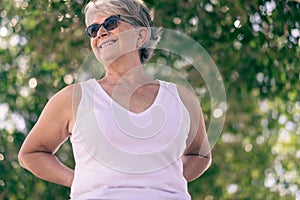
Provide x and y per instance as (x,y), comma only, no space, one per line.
(102,32)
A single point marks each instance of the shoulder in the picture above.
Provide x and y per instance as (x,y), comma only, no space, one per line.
(62,105)
(188,97)
(66,94)
(64,99)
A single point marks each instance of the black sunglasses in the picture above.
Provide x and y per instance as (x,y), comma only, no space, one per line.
(109,24)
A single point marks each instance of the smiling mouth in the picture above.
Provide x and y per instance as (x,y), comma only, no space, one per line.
(105,44)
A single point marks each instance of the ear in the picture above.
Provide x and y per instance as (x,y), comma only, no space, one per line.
(143,37)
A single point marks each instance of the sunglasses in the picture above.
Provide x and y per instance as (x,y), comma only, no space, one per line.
(109,24)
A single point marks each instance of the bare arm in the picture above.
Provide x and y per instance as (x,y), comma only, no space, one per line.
(51,130)
(197,156)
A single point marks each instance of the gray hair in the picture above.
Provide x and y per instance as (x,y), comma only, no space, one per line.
(134,10)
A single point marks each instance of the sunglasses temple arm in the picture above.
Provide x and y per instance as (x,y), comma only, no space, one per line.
(127,20)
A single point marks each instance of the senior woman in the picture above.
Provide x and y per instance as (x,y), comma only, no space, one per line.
(133,137)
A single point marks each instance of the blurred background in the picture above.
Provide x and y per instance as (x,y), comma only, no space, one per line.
(255,44)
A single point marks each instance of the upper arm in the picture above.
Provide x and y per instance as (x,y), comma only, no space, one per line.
(197,143)
(52,127)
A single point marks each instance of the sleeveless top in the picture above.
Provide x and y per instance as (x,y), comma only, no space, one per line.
(124,155)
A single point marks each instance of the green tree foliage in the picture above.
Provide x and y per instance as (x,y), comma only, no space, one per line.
(255,44)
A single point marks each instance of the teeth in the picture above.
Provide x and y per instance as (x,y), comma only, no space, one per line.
(107,43)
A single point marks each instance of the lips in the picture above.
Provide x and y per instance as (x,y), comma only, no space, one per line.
(107,43)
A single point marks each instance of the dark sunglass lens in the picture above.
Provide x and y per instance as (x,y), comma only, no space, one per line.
(92,30)
(111,23)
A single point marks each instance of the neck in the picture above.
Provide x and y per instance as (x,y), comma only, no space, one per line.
(127,70)
(133,76)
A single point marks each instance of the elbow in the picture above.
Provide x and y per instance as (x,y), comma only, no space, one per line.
(208,160)
(21,159)
(24,158)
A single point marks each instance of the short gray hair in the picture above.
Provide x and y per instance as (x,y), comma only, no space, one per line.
(136,11)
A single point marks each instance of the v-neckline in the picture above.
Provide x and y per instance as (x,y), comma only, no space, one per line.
(107,96)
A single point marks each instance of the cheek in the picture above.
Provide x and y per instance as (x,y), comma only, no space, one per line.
(128,38)
(93,43)
(129,42)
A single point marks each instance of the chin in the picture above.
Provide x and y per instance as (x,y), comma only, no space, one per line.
(106,58)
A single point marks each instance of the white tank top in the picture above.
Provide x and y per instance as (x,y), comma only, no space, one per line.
(124,155)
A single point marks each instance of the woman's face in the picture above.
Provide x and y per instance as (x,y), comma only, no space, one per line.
(111,45)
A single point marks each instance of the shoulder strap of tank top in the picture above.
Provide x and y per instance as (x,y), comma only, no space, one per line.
(172,87)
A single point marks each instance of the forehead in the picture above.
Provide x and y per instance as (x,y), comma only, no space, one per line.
(99,18)
(96,16)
